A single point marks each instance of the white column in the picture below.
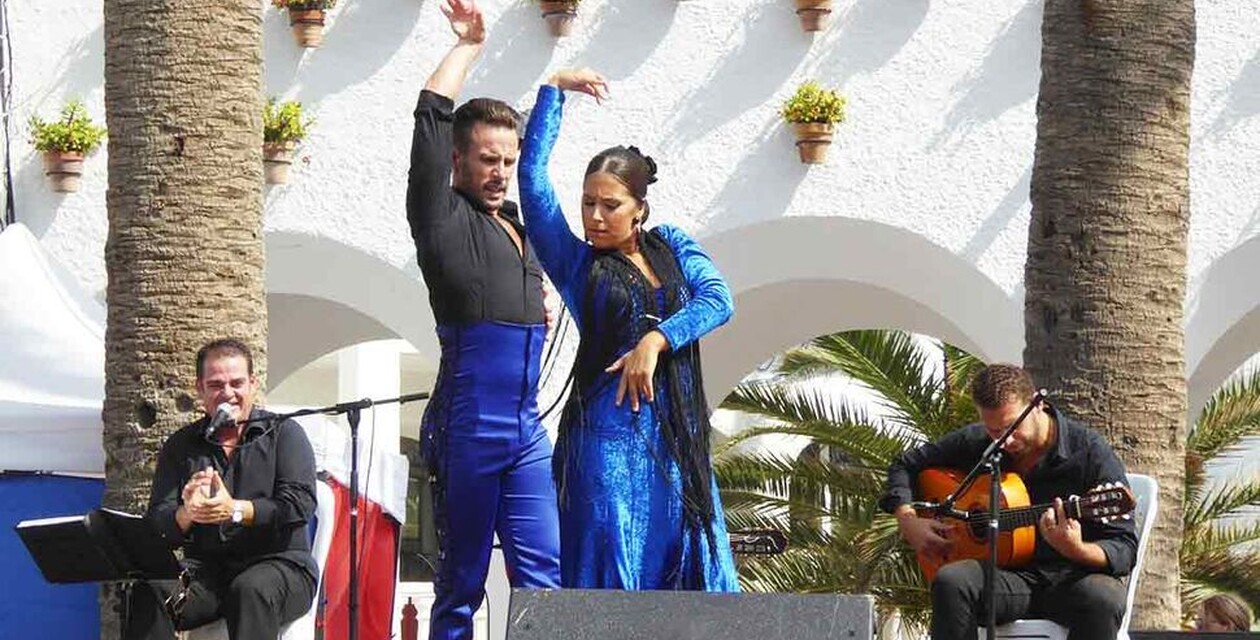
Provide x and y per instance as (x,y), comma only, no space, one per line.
(370,370)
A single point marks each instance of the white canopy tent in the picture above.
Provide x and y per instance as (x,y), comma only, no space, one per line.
(52,363)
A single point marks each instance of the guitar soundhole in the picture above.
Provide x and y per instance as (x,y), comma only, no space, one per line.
(977,524)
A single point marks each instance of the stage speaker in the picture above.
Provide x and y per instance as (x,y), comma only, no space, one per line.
(1192,635)
(583,614)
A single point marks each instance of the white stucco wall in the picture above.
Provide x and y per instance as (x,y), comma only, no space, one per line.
(918,220)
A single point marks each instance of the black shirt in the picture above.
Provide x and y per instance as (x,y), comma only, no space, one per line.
(273,468)
(1078,460)
(470,263)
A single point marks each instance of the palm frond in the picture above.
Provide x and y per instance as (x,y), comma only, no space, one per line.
(889,363)
(1217,537)
(1222,502)
(781,475)
(1231,414)
(1222,572)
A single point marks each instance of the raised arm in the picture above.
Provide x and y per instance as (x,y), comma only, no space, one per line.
(710,305)
(470,29)
(560,251)
(432,146)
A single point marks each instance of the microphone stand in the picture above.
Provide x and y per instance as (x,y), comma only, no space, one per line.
(991,462)
(352,410)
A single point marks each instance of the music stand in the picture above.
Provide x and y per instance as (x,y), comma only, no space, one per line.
(99,546)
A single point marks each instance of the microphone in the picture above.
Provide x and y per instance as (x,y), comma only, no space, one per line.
(222,417)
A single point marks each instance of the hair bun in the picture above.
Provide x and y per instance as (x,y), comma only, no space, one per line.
(651,164)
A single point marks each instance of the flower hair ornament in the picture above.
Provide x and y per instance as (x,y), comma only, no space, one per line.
(651,164)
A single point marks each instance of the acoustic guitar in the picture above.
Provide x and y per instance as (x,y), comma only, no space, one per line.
(1017,519)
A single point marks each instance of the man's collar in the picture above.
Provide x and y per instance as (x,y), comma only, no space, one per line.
(1061,449)
(509,210)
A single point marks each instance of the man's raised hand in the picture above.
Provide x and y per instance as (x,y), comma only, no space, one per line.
(466,20)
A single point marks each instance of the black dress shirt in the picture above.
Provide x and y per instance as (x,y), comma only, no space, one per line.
(1078,460)
(272,468)
(471,265)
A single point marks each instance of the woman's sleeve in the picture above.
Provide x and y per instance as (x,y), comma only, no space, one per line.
(560,251)
(710,305)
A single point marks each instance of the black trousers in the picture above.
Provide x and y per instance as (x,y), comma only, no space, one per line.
(255,601)
(1090,605)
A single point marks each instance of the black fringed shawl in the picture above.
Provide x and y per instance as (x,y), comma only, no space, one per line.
(619,307)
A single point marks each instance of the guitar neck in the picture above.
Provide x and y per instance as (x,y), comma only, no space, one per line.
(1021,516)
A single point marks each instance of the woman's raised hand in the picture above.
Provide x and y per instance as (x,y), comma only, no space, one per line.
(583,80)
(466,20)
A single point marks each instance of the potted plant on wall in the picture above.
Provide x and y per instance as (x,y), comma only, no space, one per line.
(64,142)
(283,128)
(306,17)
(814,112)
(559,15)
(814,14)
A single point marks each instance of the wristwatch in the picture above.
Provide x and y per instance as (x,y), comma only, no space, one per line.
(238,511)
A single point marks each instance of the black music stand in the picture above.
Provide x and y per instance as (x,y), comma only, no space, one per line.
(99,546)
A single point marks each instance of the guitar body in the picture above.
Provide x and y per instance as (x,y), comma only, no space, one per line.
(1015,545)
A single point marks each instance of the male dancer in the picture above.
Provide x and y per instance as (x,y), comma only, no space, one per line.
(481,432)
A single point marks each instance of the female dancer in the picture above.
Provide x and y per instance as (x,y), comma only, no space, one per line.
(639,507)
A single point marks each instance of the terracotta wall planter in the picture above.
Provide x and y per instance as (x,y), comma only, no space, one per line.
(277,156)
(559,16)
(813,140)
(64,170)
(814,14)
(308,26)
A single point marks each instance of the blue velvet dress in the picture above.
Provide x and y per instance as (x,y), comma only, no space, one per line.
(639,506)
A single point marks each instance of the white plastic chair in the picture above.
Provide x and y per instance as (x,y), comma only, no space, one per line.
(303,628)
(1146,493)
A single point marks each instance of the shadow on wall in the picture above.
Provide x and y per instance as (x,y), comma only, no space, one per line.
(745,198)
(1001,81)
(867,35)
(772,46)
(1222,322)
(627,34)
(1244,97)
(1006,210)
(518,48)
(38,204)
(360,38)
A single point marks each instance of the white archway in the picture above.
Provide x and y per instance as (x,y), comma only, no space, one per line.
(797,278)
(1222,322)
(323,295)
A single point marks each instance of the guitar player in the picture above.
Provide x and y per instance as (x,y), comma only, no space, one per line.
(1074,575)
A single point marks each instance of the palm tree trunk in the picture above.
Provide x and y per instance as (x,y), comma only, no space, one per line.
(184,254)
(1106,271)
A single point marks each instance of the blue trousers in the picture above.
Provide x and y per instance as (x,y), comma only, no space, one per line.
(491,459)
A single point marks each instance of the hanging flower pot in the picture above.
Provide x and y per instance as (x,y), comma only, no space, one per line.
(283,128)
(559,15)
(812,140)
(814,14)
(813,112)
(306,18)
(64,170)
(277,157)
(308,26)
(64,143)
